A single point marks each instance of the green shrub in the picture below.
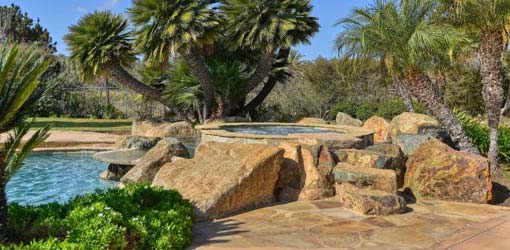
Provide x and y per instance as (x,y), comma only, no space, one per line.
(364,110)
(479,134)
(137,217)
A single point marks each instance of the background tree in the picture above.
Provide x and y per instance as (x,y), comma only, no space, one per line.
(402,36)
(16,26)
(488,20)
(100,44)
(19,80)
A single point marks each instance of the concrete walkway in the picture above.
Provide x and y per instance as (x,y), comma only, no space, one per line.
(323,225)
(72,139)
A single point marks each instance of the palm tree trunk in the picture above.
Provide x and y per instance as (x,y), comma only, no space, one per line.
(440,84)
(404,94)
(122,76)
(281,61)
(107,85)
(491,50)
(198,67)
(506,108)
(264,67)
(423,89)
(4,219)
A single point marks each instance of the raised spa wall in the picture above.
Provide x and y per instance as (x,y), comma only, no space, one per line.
(347,137)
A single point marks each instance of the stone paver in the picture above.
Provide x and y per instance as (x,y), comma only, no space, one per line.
(323,225)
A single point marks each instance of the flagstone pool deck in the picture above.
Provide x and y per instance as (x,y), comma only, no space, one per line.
(73,140)
(323,225)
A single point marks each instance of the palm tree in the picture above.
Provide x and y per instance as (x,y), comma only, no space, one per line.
(402,37)
(19,80)
(267,26)
(488,19)
(183,27)
(100,44)
(271,28)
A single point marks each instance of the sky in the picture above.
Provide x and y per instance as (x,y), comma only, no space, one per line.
(58,15)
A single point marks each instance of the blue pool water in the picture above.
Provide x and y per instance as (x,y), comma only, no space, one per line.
(276,130)
(50,178)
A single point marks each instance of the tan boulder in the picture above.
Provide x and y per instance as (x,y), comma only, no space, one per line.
(372,202)
(162,129)
(224,178)
(436,171)
(381,127)
(347,120)
(411,123)
(306,173)
(149,165)
(317,178)
(311,120)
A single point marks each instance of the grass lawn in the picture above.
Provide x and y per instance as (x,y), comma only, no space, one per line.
(90,125)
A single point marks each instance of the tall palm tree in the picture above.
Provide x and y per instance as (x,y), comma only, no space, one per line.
(401,35)
(183,27)
(488,19)
(271,28)
(267,26)
(100,44)
(19,80)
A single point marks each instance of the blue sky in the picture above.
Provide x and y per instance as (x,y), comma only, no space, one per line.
(57,15)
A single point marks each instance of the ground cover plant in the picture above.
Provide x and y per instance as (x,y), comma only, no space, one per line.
(137,217)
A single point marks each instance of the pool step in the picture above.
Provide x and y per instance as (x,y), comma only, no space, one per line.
(369,191)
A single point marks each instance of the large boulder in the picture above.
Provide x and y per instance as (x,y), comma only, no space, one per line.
(347,120)
(411,123)
(381,127)
(311,120)
(318,179)
(136,142)
(149,165)
(224,178)
(436,171)
(410,130)
(162,129)
(306,173)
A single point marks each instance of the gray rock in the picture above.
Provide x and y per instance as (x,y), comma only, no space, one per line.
(137,142)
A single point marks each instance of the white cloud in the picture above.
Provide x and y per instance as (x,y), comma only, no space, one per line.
(107,4)
(81,9)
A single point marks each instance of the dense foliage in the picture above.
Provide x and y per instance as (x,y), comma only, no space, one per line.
(137,217)
(20,75)
(479,133)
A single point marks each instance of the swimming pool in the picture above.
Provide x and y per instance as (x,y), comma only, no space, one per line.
(46,178)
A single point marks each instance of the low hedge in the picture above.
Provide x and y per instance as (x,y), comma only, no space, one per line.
(137,217)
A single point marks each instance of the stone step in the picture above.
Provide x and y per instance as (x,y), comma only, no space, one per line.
(372,202)
(366,178)
(381,157)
